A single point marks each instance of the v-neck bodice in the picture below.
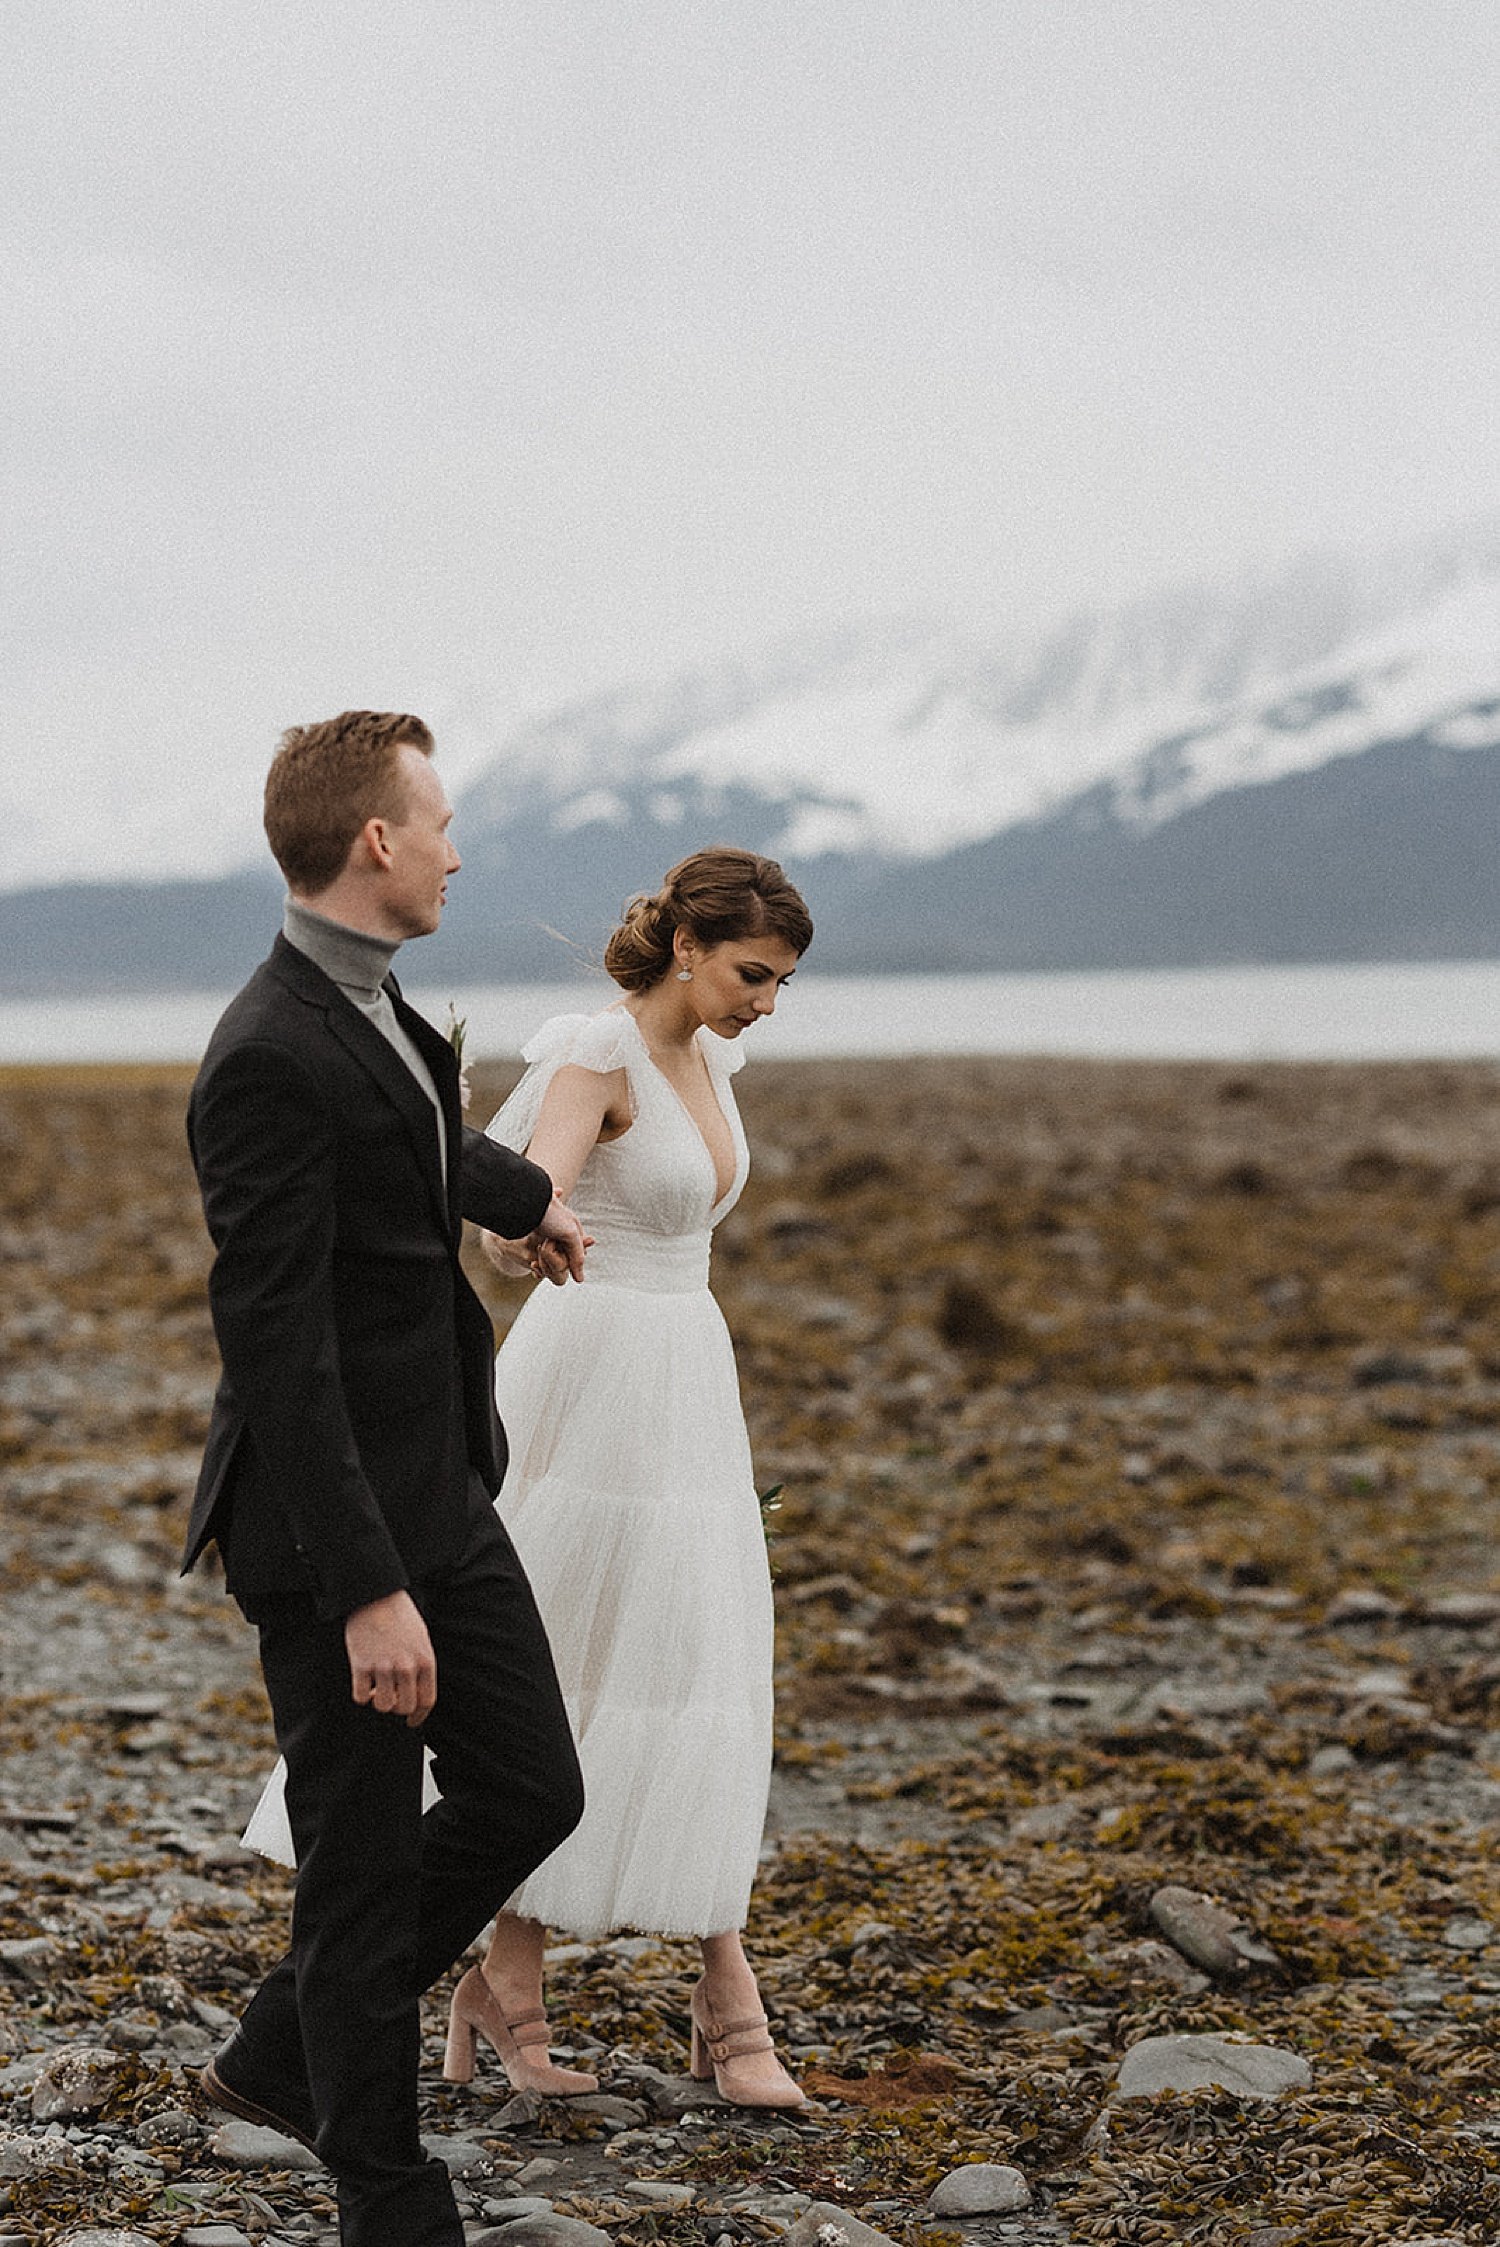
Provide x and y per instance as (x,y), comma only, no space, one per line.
(650,1197)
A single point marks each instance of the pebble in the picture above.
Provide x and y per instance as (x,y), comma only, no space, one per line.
(544,2231)
(519,2111)
(1356,1605)
(1464,1610)
(1158,1962)
(658,2193)
(1044,1821)
(535,2171)
(94,2237)
(22,2156)
(29,1956)
(244,2145)
(1208,1934)
(980,2188)
(825,2225)
(507,2211)
(605,2107)
(213,2235)
(671,2095)
(1194,2063)
(1466,1933)
(22,2073)
(169,2126)
(461,2157)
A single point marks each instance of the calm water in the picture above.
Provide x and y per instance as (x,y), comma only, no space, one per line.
(1405,1012)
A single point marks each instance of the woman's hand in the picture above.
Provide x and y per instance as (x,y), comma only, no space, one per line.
(553,1252)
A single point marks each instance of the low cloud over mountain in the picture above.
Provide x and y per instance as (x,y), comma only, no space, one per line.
(1306,768)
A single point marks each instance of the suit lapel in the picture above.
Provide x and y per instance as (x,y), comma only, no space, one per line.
(383,1064)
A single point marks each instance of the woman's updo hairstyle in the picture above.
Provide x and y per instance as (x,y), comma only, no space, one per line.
(720,896)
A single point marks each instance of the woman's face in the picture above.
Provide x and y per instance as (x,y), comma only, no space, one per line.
(735,983)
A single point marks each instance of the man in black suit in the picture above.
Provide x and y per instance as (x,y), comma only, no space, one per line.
(352,1461)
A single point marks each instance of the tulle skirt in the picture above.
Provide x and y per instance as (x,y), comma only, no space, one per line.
(631,1500)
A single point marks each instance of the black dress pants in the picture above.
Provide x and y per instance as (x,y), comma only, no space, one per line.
(387,1899)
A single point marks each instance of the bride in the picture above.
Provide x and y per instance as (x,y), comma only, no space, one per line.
(630,1495)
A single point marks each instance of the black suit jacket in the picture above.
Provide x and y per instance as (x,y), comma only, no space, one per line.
(357,1393)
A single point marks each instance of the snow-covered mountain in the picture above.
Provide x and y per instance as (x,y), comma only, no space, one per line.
(1302,767)
(907,742)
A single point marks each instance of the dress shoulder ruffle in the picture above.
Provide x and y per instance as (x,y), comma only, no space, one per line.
(725,1056)
(583,1041)
(598,1042)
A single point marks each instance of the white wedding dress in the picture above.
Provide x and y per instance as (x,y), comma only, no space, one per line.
(631,1500)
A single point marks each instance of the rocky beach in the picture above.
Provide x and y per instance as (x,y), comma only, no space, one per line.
(1130,1869)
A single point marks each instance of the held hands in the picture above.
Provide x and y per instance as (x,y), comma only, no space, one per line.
(553,1252)
(392,1667)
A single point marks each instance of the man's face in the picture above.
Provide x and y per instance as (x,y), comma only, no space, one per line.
(421,854)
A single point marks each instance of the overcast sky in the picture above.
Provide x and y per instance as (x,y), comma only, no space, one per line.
(460,354)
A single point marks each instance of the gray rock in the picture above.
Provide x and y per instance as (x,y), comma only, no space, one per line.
(1465,1611)
(243,2145)
(509,2211)
(22,2073)
(169,2126)
(658,2193)
(544,2231)
(1157,1962)
(24,2157)
(1208,1934)
(1044,1821)
(131,2036)
(77,2080)
(29,1958)
(189,2043)
(1467,1932)
(605,2107)
(980,2188)
(213,2235)
(825,2225)
(535,2171)
(461,2157)
(94,2237)
(670,2095)
(1355,1604)
(518,2113)
(1037,2020)
(1194,2063)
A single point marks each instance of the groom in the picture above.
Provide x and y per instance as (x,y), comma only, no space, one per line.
(352,1460)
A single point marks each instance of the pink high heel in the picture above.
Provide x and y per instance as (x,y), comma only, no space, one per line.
(475,2012)
(716,2048)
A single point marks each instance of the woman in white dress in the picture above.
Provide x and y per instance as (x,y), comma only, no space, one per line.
(630,1495)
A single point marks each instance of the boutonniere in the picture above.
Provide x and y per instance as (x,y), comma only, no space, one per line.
(456,1030)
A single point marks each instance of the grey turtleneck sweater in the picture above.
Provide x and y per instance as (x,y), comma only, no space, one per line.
(359,965)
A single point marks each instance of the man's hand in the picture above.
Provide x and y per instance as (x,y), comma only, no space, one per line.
(555,1250)
(391,1663)
(513,1258)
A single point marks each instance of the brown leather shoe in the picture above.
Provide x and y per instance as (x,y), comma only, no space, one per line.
(272,2108)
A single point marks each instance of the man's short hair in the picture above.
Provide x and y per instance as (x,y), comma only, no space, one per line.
(326,780)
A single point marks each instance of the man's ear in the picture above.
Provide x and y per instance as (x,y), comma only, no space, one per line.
(372,845)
